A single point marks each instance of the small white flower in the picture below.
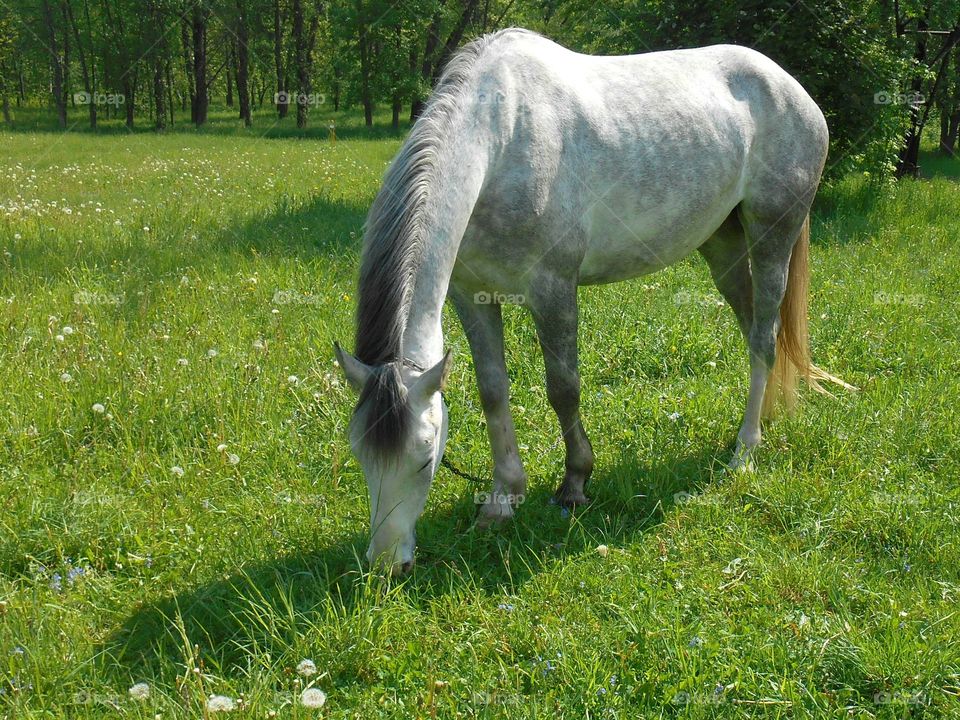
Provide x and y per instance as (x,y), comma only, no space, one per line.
(16,236)
(182,362)
(221,447)
(674,416)
(220,703)
(98,408)
(293,379)
(184,280)
(212,353)
(59,338)
(313,698)
(140,691)
(233,458)
(603,550)
(67,330)
(146,228)
(274,312)
(177,470)
(258,344)
(66,377)
(307,668)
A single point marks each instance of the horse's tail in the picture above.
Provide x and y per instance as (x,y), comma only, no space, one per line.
(793,341)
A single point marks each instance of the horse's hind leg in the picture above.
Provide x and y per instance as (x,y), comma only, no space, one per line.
(553,304)
(729,263)
(483,325)
(771,233)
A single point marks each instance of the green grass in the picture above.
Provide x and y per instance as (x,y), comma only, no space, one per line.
(826,584)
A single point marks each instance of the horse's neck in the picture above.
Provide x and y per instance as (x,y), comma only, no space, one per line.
(451,202)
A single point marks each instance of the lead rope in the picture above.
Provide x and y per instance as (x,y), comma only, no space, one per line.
(461,473)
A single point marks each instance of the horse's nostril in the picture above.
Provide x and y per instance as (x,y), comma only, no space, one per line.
(407,566)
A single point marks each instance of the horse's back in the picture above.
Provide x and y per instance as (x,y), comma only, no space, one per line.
(635,160)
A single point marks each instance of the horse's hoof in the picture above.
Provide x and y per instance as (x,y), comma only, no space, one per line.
(742,461)
(570,499)
(491,514)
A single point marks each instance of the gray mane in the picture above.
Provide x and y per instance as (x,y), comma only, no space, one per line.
(393,248)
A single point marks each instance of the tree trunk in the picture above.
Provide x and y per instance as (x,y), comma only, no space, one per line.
(397,106)
(908,163)
(188,68)
(282,99)
(159,96)
(243,64)
(4,98)
(58,80)
(87,69)
(366,94)
(128,98)
(231,63)
(202,99)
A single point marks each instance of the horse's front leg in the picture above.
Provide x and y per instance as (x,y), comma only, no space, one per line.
(553,303)
(483,324)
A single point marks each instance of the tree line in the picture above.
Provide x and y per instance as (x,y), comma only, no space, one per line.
(884,71)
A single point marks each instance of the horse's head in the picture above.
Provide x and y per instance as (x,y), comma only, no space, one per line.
(398,433)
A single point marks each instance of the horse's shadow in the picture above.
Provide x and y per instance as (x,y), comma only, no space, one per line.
(629,500)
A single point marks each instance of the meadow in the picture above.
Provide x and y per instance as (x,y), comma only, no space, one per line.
(179,507)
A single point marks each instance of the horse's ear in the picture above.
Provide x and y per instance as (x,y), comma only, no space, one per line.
(434,379)
(357,372)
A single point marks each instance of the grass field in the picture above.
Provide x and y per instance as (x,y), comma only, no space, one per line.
(179,506)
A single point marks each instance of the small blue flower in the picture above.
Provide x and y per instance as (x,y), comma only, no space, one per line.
(695,642)
(505,606)
(55,582)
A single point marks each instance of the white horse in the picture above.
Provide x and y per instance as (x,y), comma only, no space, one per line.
(533,170)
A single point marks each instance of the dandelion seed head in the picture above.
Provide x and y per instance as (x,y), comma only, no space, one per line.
(220,703)
(313,698)
(307,668)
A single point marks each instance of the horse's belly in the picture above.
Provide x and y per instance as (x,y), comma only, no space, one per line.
(625,241)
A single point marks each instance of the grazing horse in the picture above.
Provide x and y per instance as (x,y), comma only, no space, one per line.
(534,169)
